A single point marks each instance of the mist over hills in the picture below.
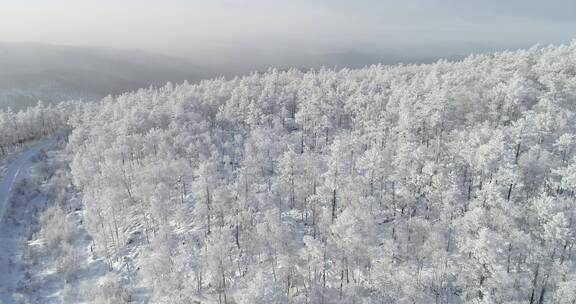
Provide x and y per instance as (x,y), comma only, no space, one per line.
(32,72)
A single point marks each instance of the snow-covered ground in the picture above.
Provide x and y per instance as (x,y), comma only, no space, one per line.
(45,254)
(9,235)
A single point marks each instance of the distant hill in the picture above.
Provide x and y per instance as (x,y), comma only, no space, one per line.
(32,72)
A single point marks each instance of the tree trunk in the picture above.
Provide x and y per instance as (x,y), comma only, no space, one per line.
(334,205)
(509,257)
(237,236)
(541,300)
(517,153)
(208,209)
(534,284)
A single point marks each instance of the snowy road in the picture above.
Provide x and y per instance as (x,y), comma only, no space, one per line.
(10,235)
(20,164)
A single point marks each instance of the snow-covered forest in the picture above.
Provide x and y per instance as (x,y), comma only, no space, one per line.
(18,128)
(450,182)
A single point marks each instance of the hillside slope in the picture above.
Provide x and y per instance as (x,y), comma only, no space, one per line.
(450,182)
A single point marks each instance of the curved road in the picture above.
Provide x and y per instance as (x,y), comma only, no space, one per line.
(12,173)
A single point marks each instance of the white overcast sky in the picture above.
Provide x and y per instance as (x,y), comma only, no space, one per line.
(197,27)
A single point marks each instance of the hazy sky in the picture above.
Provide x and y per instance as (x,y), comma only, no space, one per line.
(200,27)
